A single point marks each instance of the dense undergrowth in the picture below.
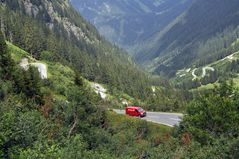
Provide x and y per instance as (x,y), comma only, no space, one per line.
(60,117)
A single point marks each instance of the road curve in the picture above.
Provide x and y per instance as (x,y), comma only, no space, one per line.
(169,119)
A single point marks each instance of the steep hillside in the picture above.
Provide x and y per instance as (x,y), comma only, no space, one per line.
(207,32)
(48,110)
(45,117)
(61,118)
(54,30)
(129,22)
(205,76)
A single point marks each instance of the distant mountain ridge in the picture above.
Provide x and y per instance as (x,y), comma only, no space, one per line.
(127,22)
(203,32)
(205,37)
(56,31)
(167,35)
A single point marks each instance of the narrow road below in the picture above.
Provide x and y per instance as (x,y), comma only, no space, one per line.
(169,119)
(204,70)
(194,75)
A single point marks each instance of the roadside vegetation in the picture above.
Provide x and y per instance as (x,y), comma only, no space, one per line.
(60,117)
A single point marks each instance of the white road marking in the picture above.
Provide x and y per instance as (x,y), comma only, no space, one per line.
(177,119)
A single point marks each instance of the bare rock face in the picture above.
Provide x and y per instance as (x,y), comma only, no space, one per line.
(128,22)
(42,68)
(56,15)
(99,89)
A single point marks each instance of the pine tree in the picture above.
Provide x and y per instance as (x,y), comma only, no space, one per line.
(6,63)
(33,85)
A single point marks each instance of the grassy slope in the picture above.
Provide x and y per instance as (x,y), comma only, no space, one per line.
(63,76)
(185,74)
(137,134)
(16,53)
(116,121)
(125,136)
(60,75)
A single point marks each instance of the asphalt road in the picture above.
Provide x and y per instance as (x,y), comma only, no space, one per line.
(169,119)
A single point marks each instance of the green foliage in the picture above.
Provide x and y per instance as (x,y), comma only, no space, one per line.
(32,82)
(62,118)
(74,125)
(138,137)
(167,99)
(186,44)
(41,151)
(213,115)
(78,79)
(6,87)
(91,55)
(19,126)
(6,63)
(17,54)
(29,83)
(48,56)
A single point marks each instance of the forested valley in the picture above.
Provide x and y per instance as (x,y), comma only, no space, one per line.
(61,116)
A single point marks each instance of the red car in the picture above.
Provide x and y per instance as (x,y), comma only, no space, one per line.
(135,111)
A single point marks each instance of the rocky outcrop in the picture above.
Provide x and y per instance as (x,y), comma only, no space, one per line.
(42,68)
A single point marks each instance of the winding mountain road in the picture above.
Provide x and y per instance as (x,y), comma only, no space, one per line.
(169,119)
(204,72)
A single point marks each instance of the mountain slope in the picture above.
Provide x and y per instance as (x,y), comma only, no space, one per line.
(46,118)
(70,121)
(128,22)
(53,29)
(200,35)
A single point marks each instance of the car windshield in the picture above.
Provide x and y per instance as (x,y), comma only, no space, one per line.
(140,110)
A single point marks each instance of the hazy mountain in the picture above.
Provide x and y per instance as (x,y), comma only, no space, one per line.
(203,34)
(126,22)
(56,27)
(166,35)
(51,64)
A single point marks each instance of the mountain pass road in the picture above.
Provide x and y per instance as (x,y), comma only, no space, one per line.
(169,119)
